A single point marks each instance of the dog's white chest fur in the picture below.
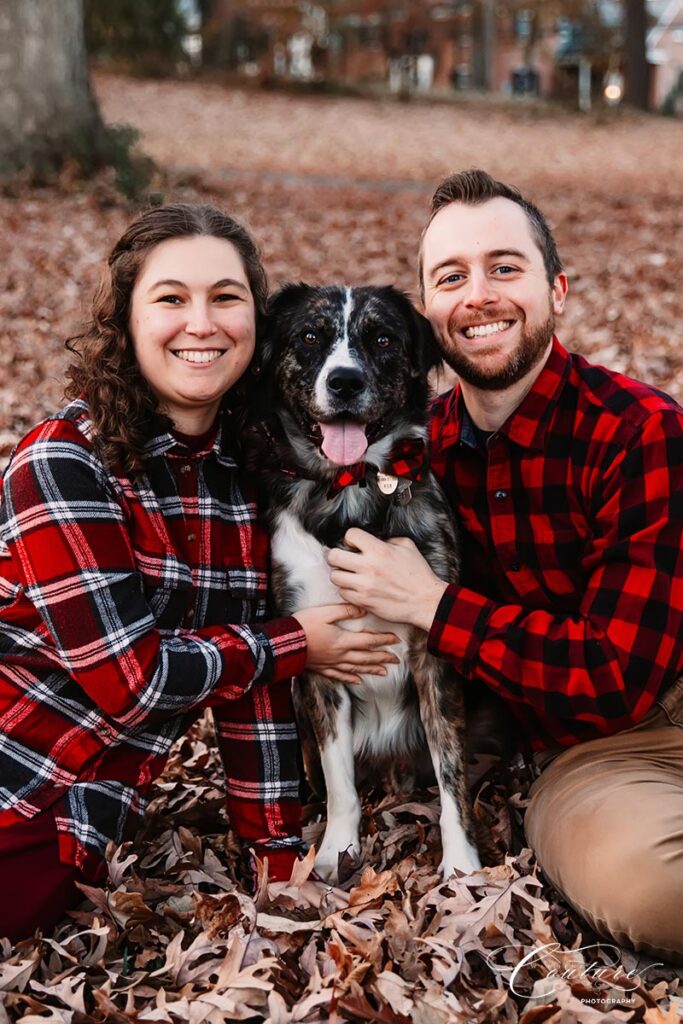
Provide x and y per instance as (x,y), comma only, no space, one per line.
(381,723)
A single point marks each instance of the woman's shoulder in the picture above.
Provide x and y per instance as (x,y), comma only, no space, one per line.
(72,423)
(61,442)
(57,465)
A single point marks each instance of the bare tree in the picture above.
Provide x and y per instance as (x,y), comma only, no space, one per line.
(637,78)
(47,111)
(223,22)
(489,41)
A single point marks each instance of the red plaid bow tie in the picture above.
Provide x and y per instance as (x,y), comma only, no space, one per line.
(408,460)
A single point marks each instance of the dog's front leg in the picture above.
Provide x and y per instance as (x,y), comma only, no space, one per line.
(330,713)
(442,713)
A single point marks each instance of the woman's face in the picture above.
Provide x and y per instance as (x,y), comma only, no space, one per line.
(192,322)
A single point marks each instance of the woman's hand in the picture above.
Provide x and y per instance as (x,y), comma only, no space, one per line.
(342,654)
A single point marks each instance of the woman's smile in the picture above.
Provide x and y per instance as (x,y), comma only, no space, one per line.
(198,357)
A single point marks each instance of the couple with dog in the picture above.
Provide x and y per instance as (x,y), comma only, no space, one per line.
(134,582)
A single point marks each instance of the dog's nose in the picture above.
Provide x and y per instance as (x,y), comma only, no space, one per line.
(345,382)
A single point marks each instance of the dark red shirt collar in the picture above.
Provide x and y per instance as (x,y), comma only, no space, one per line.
(220,441)
(528,424)
(198,443)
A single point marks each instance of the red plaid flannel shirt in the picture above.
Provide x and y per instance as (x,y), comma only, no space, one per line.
(123,612)
(571,597)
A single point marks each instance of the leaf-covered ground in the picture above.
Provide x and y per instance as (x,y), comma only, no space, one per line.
(173,936)
(337,191)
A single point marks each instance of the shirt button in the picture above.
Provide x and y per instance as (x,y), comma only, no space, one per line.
(185,469)
(515,566)
(191,536)
(501,495)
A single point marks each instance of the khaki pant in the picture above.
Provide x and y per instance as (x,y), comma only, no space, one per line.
(606,822)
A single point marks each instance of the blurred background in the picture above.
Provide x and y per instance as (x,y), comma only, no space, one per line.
(325,127)
(580,51)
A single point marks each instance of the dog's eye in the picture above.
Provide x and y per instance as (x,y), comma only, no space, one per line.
(383,340)
(310,337)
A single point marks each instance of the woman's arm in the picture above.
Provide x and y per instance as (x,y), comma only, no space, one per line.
(66,534)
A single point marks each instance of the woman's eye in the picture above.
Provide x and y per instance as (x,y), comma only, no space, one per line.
(226,297)
(383,340)
(173,300)
(310,337)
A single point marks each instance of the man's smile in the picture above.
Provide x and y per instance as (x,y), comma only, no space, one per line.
(485,330)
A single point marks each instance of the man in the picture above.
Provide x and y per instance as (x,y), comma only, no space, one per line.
(567,480)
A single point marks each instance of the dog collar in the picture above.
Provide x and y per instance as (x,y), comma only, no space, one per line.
(406,465)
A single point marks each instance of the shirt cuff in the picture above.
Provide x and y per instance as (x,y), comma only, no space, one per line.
(285,643)
(459,625)
(282,855)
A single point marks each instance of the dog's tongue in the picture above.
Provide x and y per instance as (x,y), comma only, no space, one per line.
(344,442)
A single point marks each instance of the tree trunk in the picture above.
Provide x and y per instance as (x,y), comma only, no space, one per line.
(47,111)
(218,18)
(484,33)
(637,76)
(489,42)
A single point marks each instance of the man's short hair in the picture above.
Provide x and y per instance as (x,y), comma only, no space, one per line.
(475,187)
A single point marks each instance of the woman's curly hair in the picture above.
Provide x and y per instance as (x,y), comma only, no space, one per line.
(122,405)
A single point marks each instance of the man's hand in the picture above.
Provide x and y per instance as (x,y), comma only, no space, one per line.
(390,579)
(342,654)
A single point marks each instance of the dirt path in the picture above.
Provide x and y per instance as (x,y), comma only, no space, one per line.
(207,126)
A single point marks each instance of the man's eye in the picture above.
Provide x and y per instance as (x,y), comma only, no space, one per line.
(310,337)
(451,279)
(505,269)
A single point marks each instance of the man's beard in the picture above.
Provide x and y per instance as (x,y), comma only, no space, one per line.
(529,352)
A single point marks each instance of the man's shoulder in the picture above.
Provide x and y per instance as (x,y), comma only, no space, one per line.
(443,422)
(617,396)
(442,407)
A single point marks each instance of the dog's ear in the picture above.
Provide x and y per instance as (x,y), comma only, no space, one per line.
(427,351)
(270,326)
(426,354)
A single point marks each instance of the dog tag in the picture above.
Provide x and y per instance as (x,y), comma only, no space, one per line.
(404,496)
(387,483)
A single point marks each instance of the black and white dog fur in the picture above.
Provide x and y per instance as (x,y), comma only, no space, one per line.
(342,368)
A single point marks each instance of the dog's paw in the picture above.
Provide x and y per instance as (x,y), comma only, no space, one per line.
(327,859)
(326,869)
(465,859)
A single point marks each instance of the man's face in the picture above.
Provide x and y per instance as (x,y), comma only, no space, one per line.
(487,294)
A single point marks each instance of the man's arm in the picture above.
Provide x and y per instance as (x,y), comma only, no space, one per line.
(390,578)
(603,665)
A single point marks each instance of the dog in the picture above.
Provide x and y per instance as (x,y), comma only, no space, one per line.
(343,391)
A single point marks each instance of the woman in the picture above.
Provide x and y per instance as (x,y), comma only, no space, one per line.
(133,576)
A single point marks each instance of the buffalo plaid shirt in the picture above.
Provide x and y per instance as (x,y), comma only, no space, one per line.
(115,599)
(570,603)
